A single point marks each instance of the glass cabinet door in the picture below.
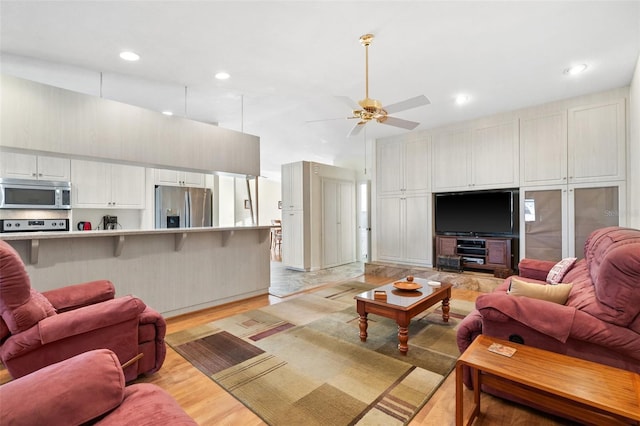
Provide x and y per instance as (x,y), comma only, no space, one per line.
(543,215)
(593,208)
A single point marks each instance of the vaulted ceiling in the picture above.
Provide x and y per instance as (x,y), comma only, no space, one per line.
(290,60)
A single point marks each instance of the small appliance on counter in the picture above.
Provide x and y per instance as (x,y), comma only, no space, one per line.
(109,222)
(84,226)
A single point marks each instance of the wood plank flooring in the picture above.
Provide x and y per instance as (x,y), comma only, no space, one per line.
(209,404)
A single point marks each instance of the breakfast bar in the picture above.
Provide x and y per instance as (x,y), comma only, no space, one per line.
(176,270)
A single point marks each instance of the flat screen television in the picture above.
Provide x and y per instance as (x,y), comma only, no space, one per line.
(482,213)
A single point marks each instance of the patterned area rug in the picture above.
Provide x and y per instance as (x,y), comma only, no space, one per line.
(302,362)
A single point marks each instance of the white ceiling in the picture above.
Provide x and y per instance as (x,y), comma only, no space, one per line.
(289,60)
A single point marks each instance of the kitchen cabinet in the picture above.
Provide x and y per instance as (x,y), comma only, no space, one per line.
(293,183)
(404,230)
(30,166)
(481,156)
(107,185)
(179,178)
(597,142)
(402,166)
(293,247)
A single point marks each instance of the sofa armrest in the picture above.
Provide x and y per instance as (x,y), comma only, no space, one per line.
(546,317)
(88,318)
(79,295)
(535,269)
(70,392)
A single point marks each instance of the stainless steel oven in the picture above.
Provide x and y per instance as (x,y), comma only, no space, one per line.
(34,194)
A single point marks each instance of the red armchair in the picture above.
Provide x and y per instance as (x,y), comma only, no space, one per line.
(87,389)
(39,329)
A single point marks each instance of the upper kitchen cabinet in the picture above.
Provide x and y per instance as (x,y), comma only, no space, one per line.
(179,178)
(105,185)
(543,148)
(482,156)
(597,142)
(403,165)
(30,166)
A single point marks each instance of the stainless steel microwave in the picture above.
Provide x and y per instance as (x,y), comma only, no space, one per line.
(34,194)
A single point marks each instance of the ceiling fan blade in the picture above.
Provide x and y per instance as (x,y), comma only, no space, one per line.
(357,128)
(407,104)
(398,122)
(350,102)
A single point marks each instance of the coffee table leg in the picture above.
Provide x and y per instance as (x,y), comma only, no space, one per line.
(363,327)
(403,338)
(445,309)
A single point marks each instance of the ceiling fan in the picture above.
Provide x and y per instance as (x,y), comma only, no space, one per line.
(371,109)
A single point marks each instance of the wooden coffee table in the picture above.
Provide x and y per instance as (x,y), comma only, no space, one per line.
(591,392)
(401,306)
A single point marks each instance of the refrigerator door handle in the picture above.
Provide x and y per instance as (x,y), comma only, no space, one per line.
(187,209)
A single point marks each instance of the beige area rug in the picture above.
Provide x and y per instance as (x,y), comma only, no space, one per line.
(301,361)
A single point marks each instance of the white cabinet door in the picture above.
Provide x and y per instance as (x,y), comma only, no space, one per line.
(91,183)
(292,186)
(127,186)
(417,230)
(390,228)
(597,142)
(402,166)
(179,178)
(104,185)
(543,149)
(293,239)
(19,166)
(495,156)
(338,223)
(450,165)
(54,168)
(30,166)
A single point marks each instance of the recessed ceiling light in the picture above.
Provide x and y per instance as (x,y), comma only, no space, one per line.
(167,112)
(222,75)
(576,69)
(462,99)
(129,56)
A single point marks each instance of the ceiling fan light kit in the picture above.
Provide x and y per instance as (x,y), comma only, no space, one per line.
(372,109)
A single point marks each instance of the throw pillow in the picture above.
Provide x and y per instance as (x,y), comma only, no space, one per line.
(560,269)
(558,293)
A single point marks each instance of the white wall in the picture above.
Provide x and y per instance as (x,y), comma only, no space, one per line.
(633,165)
(269,193)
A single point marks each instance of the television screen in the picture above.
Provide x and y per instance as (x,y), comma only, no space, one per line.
(476,213)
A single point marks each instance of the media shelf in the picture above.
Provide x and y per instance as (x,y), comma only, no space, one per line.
(488,253)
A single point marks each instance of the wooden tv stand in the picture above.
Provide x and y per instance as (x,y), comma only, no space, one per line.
(489,253)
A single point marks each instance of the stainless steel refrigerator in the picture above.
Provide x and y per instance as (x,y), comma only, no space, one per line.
(180,207)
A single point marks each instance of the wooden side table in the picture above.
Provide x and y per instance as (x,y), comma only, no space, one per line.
(584,390)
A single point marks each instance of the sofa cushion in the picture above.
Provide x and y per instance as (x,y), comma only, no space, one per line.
(560,269)
(553,293)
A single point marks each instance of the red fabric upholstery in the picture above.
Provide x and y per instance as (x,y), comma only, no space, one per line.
(88,317)
(87,388)
(600,321)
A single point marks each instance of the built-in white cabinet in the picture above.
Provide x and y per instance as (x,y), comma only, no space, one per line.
(403,165)
(597,141)
(543,148)
(31,166)
(106,185)
(403,180)
(338,222)
(179,178)
(293,252)
(292,186)
(404,229)
(318,216)
(481,156)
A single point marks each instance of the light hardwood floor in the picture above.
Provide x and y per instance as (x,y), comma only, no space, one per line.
(209,404)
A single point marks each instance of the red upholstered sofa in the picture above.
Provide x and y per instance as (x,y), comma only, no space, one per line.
(87,389)
(600,320)
(39,329)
